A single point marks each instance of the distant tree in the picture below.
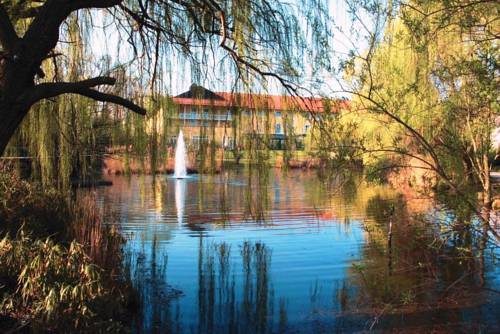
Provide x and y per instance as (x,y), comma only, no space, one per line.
(430,77)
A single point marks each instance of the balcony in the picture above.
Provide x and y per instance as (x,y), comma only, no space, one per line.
(203,116)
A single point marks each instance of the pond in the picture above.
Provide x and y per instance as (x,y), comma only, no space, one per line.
(264,251)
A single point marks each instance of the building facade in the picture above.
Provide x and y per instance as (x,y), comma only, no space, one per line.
(240,120)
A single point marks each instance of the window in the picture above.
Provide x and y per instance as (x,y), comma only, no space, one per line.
(299,143)
(306,128)
(206,114)
(277,114)
(197,141)
(171,141)
(229,143)
(277,128)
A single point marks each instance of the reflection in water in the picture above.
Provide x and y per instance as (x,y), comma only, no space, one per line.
(223,307)
(257,195)
(325,260)
(180,198)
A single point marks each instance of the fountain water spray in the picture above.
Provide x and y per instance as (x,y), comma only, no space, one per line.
(180,171)
(180,199)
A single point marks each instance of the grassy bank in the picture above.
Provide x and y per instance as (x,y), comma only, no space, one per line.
(60,267)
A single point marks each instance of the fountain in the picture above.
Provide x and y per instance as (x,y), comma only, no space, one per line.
(180,171)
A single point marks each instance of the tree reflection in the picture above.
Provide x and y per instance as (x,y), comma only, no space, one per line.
(423,263)
(257,194)
(225,303)
(228,306)
(431,259)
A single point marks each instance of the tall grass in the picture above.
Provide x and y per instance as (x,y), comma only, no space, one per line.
(103,242)
(60,266)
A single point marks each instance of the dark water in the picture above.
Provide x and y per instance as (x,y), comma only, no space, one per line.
(250,252)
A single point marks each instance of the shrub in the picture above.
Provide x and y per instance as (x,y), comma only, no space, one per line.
(60,266)
(42,211)
(57,287)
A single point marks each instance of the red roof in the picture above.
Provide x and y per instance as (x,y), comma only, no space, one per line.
(260,101)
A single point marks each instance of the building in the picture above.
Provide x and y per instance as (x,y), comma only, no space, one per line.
(236,120)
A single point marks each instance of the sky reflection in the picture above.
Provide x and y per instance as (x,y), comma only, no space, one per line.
(242,253)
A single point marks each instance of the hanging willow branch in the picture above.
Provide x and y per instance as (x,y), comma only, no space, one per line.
(264,39)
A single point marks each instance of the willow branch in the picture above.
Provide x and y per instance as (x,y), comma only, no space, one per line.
(53,89)
(104,97)
(84,88)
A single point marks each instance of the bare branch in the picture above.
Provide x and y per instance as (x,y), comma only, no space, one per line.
(223,28)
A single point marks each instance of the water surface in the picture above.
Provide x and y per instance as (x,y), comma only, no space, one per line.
(270,252)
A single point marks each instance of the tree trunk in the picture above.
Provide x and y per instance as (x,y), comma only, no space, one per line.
(10,119)
(468,168)
(16,77)
(487,183)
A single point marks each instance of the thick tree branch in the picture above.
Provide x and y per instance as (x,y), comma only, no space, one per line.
(52,89)
(81,4)
(43,32)
(84,88)
(8,36)
(104,97)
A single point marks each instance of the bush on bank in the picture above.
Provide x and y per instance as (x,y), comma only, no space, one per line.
(60,268)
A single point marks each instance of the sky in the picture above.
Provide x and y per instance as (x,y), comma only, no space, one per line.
(106,40)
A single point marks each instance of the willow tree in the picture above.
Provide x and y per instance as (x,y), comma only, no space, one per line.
(430,76)
(263,38)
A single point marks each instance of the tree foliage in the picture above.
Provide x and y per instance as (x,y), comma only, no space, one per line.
(46,53)
(430,77)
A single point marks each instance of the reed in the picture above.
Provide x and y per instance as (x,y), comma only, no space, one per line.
(60,265)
